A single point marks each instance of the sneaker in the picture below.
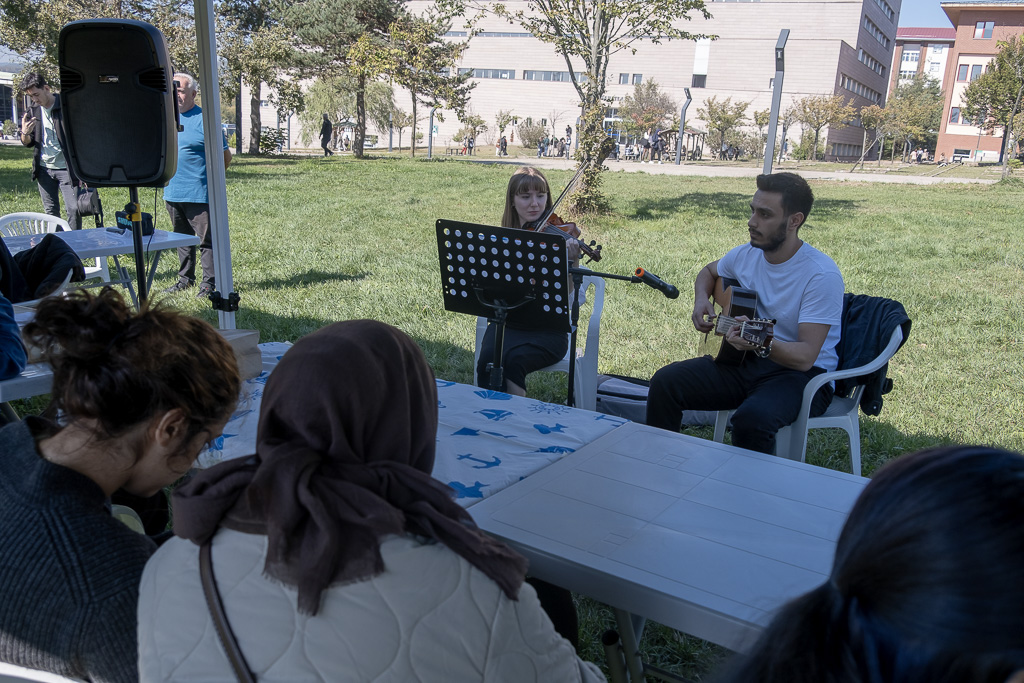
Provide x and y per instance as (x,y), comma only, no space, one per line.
(205,290)
(179,286)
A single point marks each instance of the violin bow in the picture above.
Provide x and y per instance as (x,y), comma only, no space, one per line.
(572,183)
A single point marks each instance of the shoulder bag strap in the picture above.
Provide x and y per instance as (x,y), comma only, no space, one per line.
(220,618)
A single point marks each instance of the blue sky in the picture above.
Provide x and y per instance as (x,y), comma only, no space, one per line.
(923,13)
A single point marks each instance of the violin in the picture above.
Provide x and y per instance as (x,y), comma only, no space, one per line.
(551,223)
(556,226)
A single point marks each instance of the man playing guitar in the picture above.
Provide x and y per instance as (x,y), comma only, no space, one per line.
(798,287)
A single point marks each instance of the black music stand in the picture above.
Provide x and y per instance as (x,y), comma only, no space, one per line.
(504,275)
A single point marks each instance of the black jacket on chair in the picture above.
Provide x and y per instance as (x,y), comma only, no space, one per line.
(868,322)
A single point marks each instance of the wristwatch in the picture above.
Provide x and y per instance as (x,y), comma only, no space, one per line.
(765,351)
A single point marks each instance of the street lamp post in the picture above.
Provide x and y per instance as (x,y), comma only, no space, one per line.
(773,123)
(682,125)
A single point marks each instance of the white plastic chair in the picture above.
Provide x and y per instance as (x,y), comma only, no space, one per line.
(585,382)
(57,292)
(12,673)
(31,223)
(842,413)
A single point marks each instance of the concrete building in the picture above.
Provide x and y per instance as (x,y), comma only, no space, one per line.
(835,46)
(920,52)
(979,26)
(10,108)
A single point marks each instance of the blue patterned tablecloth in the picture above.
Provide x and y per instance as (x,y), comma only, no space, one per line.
(486,440)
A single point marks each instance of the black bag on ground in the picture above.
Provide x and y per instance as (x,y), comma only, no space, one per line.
(627,397)
(88,200)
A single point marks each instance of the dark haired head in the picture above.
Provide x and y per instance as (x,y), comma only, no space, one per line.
(118,367)
(796,193)
(526,179)
(926,584)
(32,80)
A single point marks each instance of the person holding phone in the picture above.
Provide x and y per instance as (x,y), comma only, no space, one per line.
(42,127)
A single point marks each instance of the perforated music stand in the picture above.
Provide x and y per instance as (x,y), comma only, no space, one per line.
(504,275)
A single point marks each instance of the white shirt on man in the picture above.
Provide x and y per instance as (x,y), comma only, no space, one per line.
(807,288)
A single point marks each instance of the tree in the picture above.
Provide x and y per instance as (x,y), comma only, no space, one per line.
(761,120)
(257,50)
(722,116)
(647,108)
(415,55)
(915,112)
(325,32)
(587,33)
(380,104)
(31,27)
(332,96)
(502,120)
(818,111)
(997,93)
(871,117)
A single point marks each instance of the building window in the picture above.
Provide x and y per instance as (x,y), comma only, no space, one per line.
(860,89)
(507,74)
(562,76)
(954,115)
(936,49)
(961,72)
(876,32)
(885,8)
(623,79)
(983,29)
(870,62)
(976,71)
(700,81)
(911,56)
(638,79)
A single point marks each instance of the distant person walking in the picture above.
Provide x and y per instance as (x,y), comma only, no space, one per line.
(326,130)
(325,136)
(42,127)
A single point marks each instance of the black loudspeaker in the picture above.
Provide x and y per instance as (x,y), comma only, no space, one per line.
(118,102)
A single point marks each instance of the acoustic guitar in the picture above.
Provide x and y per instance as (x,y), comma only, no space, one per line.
(733,301)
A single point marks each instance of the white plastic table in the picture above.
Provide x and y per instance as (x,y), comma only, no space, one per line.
(705,538)
(101,243)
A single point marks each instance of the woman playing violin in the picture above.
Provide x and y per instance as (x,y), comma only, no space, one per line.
(526,348)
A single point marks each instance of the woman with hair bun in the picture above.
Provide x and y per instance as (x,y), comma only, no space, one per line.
(926,585)
(138,394)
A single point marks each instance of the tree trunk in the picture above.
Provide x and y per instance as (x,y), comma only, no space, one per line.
(1008,131)
(881,150)
(412,144)
(238,118)
(814,152)
(357,144)
(254,119)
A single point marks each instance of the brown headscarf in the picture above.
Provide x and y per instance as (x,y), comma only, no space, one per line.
(344,450)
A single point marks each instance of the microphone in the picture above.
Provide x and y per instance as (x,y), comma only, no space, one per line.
(656,282)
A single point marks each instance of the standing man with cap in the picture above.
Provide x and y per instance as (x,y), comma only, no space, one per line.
(186,194)
(42,127)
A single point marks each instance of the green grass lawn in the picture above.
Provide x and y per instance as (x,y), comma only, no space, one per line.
(315,241)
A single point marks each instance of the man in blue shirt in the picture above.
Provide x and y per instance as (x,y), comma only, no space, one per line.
(186,194)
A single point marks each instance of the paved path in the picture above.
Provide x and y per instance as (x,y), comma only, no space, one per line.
(694,169)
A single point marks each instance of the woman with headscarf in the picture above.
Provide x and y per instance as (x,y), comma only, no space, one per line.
(336,555)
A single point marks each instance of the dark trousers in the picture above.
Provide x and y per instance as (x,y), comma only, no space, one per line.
(189,218)
(523,351)
(54,184)
(766,396)
(327,150)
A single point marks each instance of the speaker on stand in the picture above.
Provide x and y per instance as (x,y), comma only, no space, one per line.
(120,110)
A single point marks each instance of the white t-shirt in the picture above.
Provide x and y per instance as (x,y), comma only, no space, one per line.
(808,288)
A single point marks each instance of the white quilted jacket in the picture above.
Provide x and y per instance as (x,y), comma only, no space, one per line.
(431,617)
